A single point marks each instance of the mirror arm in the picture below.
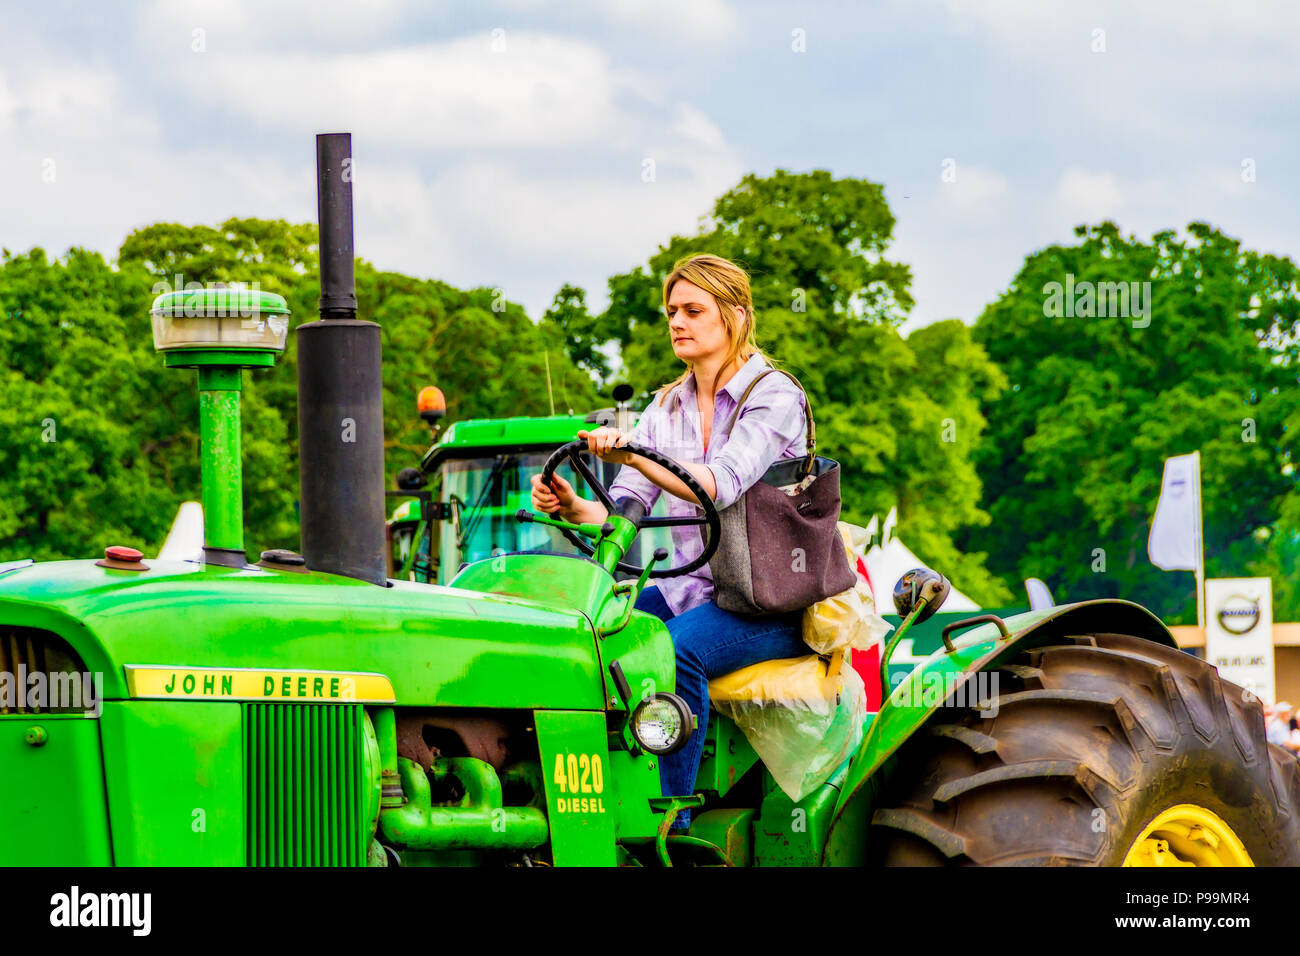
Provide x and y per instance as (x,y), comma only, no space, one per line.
(893,642)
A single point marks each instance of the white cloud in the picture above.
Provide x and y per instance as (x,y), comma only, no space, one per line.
(1087,196)
(708,19)
(538,91)
(251,24)
(972,189)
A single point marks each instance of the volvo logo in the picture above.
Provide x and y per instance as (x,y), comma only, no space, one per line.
(1239,614)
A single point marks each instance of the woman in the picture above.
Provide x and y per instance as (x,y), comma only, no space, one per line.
(710,315)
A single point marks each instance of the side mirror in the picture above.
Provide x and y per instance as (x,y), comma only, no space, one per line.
(917,584)
(410,479)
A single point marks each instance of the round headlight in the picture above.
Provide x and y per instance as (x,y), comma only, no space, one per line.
(662,724)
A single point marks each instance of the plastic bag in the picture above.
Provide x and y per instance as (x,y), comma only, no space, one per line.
(802,723)
(848,619)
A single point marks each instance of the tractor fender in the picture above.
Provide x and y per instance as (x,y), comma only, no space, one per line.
(982,648)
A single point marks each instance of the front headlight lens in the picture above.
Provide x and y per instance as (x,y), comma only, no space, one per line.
(662,724)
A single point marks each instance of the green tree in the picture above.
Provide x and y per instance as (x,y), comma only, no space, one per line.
(91,451)
(1072,457)
(99,443)
(581,333)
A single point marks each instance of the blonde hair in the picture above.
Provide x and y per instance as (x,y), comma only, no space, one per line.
(728,283)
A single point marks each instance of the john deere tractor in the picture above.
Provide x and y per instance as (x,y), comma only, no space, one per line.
(463,499)
(315,709)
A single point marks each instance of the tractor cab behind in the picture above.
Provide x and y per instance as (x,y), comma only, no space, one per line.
(461,502)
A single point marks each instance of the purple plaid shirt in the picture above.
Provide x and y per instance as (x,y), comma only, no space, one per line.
(772,426)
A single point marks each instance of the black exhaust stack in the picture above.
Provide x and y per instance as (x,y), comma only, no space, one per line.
(340,397)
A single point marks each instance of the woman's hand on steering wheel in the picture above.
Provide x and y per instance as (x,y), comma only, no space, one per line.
(710,523)
(606,444)
(558,499)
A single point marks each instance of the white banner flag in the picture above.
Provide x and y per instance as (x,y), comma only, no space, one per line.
(1175,540)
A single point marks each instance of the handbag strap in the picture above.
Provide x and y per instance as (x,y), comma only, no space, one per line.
(812,431)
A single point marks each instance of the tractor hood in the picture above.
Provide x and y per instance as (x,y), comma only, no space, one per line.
(434,645)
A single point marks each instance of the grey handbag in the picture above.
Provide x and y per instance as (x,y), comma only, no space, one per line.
(781,552)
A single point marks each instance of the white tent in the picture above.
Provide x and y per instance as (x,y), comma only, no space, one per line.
(185,540)
(889,559)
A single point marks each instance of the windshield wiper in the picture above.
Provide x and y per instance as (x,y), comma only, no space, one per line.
(476,510)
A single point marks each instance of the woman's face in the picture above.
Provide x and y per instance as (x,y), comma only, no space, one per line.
(694,323)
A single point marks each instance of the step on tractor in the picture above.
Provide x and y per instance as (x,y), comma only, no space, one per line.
(318,708)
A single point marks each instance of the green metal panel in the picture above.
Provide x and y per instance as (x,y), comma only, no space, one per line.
(731,830)
(222,461)
(576,772)
(552,430)
(52,805)
(634,782)
(563,581)
(438,645)
(924,690)
(728,756)
(793,834)
(924,639)
(243,302)
(305,785)
(175,779)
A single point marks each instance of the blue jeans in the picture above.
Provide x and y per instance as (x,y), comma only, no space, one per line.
(711,642)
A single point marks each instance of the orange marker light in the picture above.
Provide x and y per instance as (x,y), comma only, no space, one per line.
(430,403)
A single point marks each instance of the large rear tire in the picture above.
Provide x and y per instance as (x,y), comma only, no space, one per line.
(1101,750)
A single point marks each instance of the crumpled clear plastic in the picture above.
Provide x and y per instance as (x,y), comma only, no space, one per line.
(803,724)
(800,721)
(848,619)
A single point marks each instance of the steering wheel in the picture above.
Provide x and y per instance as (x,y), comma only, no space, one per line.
(633,510)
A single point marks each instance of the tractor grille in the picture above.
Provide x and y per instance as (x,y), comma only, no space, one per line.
(25,651)
(303,784)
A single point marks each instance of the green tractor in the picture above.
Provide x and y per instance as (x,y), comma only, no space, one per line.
(463,499)
(318,709)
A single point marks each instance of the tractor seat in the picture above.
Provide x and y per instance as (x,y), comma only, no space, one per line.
(772,683)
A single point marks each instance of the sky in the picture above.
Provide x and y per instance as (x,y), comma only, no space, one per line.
(524,145)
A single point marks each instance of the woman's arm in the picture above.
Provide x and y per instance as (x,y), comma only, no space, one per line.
(670,483)
(605,443)
(772,420)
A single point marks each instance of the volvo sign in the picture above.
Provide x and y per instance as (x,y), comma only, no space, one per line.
(1239,632)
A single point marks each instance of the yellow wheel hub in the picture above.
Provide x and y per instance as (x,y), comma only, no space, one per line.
(1187,835)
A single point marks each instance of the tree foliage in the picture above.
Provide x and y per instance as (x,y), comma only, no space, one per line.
(1072,457)
(99,443)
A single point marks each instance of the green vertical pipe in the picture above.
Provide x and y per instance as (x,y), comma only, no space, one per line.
(219,451)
